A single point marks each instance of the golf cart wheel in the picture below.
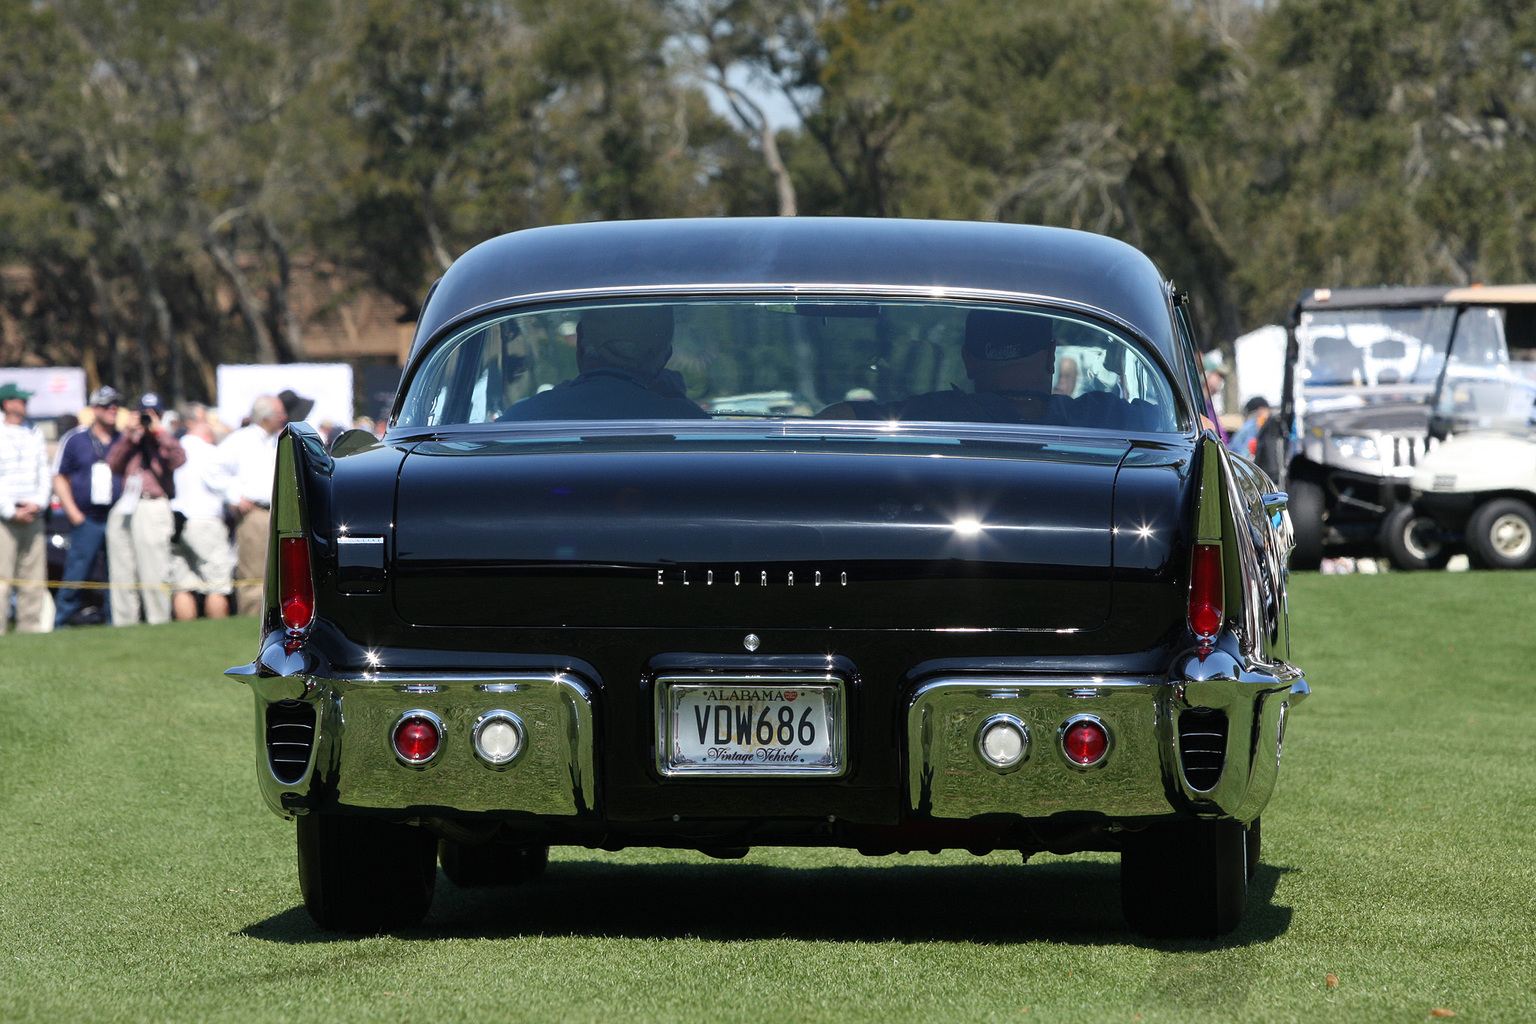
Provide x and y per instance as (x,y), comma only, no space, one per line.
(1502,533)
(1307,506)
(365,875)
(490,863)
(1412,541)
(1185,880)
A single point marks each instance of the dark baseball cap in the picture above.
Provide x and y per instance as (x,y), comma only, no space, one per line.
(106,395)
(998,334)
(150,400)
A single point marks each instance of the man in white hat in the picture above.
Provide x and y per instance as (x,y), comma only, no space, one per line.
(24,487)
(250,458)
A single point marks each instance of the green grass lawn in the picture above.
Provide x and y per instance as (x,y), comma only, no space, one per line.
(142,879)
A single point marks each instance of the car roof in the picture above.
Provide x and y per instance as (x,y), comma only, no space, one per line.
(803,256)
(1408,297)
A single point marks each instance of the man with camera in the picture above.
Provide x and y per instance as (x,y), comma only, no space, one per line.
(140,527)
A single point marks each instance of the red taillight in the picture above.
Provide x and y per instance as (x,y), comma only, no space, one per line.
(295,588)
(416,739)
(1205,592)
(1085,742)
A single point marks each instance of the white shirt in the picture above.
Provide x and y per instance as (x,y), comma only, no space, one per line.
(201,481)
(250,457)
(24,475)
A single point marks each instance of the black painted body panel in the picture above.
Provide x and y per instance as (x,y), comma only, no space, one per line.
(665,534)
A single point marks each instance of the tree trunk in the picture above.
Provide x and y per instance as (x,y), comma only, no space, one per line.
(1165,177)
(207,373)
(751,115)
(245,297)
(287,324)
(157,317)
(108,322)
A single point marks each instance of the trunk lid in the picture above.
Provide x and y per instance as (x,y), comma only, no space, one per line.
(756,536)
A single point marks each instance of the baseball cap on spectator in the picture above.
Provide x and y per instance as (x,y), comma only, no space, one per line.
(106,395)
(150,400)
(9,391)
(297,408)
(994,334)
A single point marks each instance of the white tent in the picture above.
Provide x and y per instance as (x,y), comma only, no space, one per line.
(1261,364)
(328,384)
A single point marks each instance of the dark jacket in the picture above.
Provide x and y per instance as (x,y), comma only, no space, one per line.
(160,453)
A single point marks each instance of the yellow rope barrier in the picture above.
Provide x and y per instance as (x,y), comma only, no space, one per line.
(95,585)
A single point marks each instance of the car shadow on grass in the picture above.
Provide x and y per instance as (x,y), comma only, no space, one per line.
(1075,903)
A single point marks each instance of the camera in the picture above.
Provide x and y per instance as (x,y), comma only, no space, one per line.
(145,421)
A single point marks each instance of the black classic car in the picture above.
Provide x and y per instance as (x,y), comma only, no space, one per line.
(720,533)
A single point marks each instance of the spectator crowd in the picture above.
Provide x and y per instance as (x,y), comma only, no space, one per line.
(176,506)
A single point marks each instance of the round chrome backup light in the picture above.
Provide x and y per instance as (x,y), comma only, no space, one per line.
(1003,742)
(499,738)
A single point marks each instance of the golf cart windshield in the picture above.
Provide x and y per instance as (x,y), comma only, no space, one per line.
(1353,356)
(1355,348)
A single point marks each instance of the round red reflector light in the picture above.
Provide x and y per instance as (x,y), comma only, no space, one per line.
(417,739)
(1085,742)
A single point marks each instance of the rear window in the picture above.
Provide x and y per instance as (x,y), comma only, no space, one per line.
(912,362)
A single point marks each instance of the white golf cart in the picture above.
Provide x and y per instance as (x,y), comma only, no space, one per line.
(1478,485)
(1378,382)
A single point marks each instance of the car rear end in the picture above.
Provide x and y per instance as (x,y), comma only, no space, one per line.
(768,627)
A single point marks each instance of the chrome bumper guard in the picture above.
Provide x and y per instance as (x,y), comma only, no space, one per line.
(353,762)
(1142,773)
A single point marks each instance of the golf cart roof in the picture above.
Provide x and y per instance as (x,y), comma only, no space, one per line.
(1403,297)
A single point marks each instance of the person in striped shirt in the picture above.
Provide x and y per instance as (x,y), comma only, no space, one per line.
(25,484)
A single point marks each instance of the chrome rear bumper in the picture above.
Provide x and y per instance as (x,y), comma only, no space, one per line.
(1148,770)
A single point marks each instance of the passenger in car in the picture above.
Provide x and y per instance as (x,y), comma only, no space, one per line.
(621,358)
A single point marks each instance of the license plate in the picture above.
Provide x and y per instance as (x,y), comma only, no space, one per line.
(746,725)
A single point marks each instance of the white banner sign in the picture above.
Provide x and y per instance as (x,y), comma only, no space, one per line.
(328,385)
(56,390)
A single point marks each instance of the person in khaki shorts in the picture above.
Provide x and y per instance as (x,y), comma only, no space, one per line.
(202,557)
(250,456)
(140,525)
(25,484)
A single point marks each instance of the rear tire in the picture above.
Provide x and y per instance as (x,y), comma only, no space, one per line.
(490,863)
(1185,880)
(1307,505)
(1502,534)
(365,875)
(1412,541)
